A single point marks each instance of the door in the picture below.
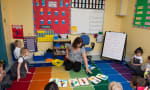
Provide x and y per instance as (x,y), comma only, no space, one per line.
(3,53)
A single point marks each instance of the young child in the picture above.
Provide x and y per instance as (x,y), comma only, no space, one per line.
(137,61)
(147,71)
(5,81)
(51,86)
(20,69)
(138,83)
(17,49)
(115,86)
(75,54)
(141,84)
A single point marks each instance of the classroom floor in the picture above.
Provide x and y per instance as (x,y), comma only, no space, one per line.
(41,75)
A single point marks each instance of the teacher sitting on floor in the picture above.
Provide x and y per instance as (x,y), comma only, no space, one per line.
(75,54)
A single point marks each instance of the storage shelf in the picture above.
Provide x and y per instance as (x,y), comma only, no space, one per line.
(59,48)
(55,54)
(61,41)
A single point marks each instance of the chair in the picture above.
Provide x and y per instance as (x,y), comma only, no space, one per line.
(86,41)
(12,51)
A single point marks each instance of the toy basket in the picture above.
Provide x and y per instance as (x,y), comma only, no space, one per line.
(57,62)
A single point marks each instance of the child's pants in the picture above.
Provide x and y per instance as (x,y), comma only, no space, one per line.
(137,69)
(6,83)
(76,66)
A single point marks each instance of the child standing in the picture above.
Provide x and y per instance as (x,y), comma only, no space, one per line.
(17,49)
(20,69)
(137,61)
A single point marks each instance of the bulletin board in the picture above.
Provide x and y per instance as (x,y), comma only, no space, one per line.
(142,14)
(52,14)
(114,45)
(88,21)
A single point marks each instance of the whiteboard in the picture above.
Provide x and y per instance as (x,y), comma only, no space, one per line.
(87,20)
(114,45)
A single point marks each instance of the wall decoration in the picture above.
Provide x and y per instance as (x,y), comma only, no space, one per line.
(17,31)
(88,4)
(52,14)
(30,42)
(45,35)
(142,14)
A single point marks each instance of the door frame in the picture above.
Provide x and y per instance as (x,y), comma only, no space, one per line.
(2,40)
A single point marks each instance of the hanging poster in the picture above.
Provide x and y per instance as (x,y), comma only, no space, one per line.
(142,14)
(17,31)
(30,42)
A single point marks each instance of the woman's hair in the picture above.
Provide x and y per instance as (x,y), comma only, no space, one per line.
(115,86)
(141,81)
(24,50)
(51,86)
(134,80)
(148,57)
(77,41)
(138,50)
(16,43)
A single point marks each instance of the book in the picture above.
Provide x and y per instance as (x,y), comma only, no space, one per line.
(61,83)
(94,79)
(74,82)
(102,76)
(91,67)
(83,81)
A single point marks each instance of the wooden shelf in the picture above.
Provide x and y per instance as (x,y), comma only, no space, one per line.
(59,48)
(62,40)
(59,54)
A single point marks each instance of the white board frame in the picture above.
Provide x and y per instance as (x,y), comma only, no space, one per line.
(123,47)
(86,28)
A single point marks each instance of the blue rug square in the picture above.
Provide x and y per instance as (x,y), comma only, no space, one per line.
(117,78)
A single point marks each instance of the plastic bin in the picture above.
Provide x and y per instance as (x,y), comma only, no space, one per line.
(60,57)
(57,44)
(38,58)
(49,55)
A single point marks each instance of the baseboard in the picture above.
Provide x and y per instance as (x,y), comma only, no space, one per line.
(127,58)
(94,53)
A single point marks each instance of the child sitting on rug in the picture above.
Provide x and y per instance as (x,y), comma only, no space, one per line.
(141,84)
(5,81)
(147,71)
(20,69)
(17,49)
(75,54)
(137,61)
(115,86)
(138,83)
(51,86)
